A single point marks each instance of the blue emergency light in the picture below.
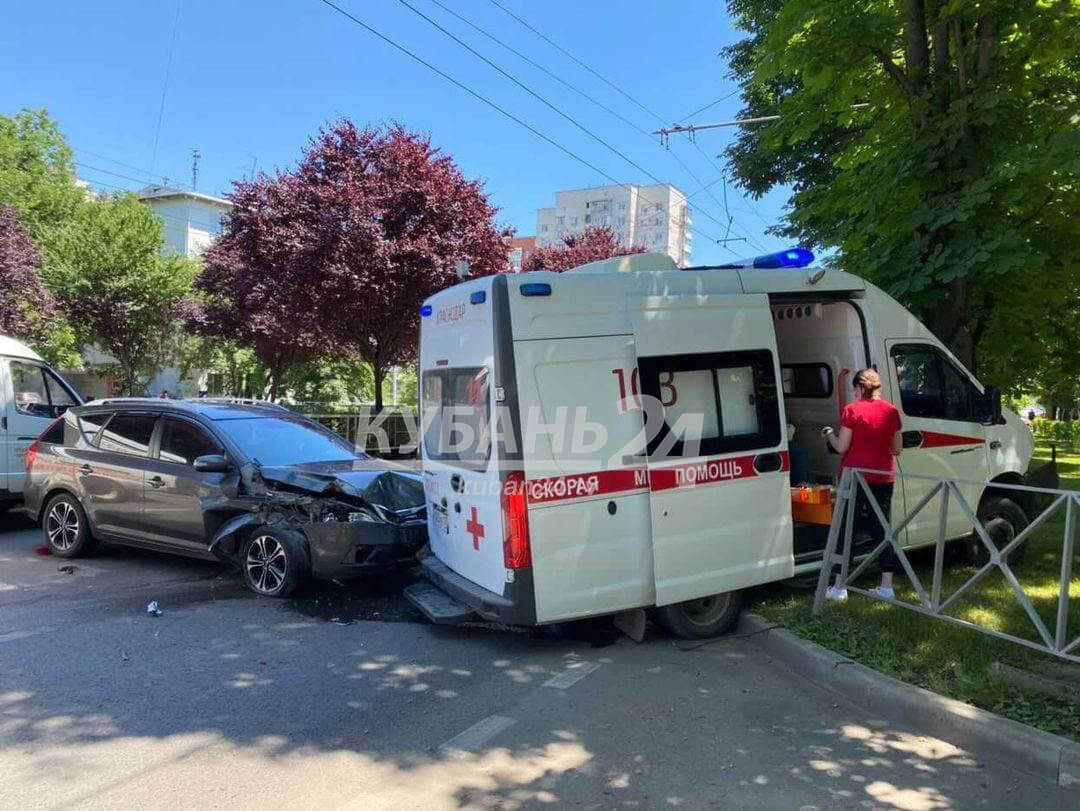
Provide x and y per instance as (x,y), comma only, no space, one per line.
(791,258)
(536,289)
(425,310)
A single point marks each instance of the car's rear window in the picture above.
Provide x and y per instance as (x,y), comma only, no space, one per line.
(54,434)
(276,441)
(457,415)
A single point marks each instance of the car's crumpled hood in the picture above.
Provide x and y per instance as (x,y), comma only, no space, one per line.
(319,496)
(372,480)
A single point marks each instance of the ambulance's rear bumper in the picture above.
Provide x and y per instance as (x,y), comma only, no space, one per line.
(487,604)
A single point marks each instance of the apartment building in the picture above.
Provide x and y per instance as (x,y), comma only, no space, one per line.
(655,217)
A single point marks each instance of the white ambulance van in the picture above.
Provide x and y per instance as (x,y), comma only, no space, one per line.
(554,494)
(32,395)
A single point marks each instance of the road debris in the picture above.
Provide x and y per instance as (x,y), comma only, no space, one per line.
(67,568)
(153,609)
(44,551)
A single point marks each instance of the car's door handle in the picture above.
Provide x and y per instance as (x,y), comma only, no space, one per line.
(995,444)
(85,470)
(156,482)
(962,450)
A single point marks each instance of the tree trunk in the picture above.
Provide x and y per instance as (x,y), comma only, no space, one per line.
(131,378)
(276,367)
(380,376)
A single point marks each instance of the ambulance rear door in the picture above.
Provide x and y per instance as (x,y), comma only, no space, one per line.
(457,397)
(718,464)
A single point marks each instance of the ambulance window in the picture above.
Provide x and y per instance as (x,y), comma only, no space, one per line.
(813,380)
(712,403)
(689,399)
(932,386)
(457,416)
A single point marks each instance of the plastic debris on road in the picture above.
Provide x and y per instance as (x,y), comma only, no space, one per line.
(153,609)
(44,551)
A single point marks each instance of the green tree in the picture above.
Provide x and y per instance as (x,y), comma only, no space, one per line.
(37,180)
(122,294)
(955,185)
(37,174)
(330,381)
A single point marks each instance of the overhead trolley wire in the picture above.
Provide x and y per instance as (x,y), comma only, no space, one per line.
(563,50)
(726,225)
(479,97)
(541,68)
(710,105)
(553,107)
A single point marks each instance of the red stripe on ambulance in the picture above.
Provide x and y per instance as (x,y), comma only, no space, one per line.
(932,439)
(695,474)
(586,485)
(612,482)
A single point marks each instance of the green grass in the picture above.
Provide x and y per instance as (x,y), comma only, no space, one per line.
(948,659)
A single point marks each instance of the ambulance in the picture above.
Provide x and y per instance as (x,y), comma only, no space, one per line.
(631,435)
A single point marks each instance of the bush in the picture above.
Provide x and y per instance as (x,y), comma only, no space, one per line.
(1057,430)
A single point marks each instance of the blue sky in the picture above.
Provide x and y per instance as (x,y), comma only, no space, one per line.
(252,81)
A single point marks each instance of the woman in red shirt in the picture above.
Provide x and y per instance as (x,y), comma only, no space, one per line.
(869,438)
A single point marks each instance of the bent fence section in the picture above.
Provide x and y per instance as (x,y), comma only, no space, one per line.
(931,603)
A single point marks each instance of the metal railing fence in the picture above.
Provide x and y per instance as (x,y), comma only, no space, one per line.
(931,604)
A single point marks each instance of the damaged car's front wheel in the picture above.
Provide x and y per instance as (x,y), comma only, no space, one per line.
(275,562)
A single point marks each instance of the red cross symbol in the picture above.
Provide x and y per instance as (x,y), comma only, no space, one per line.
(474,528)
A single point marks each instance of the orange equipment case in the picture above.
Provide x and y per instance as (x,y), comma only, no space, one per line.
(812,504)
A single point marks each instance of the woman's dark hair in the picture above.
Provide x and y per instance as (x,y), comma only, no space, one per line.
(870,380)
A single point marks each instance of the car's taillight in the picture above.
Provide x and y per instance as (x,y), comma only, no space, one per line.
(516,554)
(32,451)
(31,454)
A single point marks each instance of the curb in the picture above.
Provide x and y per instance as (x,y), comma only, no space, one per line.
(1040,753)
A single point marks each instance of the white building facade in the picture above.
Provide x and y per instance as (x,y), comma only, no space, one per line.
(654,217)
(192,219)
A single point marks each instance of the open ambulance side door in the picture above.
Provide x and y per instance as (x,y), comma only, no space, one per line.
(718,464)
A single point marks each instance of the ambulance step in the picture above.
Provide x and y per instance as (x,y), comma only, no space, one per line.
(437,605)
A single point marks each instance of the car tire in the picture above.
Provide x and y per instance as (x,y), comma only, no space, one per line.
(702,618)
(1003,520)
(65,527)
(275,562)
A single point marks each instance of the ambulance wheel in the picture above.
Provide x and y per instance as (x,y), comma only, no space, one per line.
(703,617)
(1003,520)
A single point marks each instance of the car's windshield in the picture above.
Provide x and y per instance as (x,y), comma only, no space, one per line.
(277,441)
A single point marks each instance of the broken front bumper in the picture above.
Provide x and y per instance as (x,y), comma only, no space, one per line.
(342,550)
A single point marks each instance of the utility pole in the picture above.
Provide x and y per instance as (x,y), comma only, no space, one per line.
(195,155)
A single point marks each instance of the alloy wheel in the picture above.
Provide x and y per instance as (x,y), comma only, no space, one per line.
(62,525)
(266,564)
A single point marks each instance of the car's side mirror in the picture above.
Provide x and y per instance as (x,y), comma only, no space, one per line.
(992,405)
(213,463)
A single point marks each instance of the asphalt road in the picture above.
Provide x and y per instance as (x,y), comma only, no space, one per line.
(345,698)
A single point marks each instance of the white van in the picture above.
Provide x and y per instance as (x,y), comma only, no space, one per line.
(547,499)
(32,396)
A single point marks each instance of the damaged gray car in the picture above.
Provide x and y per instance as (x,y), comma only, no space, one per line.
(255,485)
